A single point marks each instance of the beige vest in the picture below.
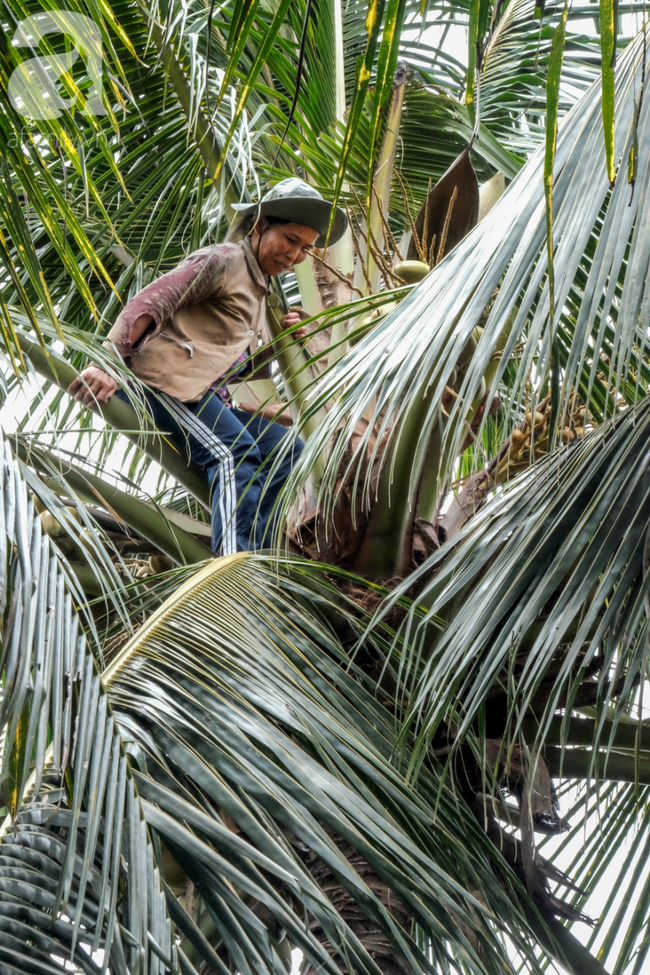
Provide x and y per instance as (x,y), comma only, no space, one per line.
(208,311)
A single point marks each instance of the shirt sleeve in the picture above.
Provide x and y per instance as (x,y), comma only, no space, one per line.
(201,275)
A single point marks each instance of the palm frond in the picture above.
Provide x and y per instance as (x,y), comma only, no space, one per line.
(560,550)
(545,598)
(515,64)
(238,698)
(80,868)
(616,829)
(76,864)
(406,363)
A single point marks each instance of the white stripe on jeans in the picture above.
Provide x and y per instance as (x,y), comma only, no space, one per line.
(227,488)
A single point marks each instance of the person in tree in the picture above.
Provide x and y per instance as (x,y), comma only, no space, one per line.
(185,334)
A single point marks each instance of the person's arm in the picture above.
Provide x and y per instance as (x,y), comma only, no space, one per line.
(192,281)
(198,277)
(94,385)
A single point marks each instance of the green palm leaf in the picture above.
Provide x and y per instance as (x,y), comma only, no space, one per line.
(561,554)
(250,717)
(617,849)
(76,845)
(405,364)
(569,607)
(75,853)
(513,81)
(76,862)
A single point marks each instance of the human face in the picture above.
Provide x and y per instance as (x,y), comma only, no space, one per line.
(282,245)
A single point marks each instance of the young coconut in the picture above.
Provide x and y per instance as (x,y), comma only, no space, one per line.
(160,563)
(53,526)
(411,271)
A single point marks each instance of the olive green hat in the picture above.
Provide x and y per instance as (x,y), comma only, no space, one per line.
(293,199)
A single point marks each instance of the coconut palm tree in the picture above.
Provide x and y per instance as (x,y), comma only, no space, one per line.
(355,744)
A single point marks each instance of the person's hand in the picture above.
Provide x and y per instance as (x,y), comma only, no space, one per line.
(93,386)
(292,318)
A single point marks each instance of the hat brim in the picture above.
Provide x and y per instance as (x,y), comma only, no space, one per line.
(306,210)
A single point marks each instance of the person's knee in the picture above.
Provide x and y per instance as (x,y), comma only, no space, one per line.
(239,460)
(244,450)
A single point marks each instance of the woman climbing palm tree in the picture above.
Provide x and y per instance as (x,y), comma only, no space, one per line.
(185,334)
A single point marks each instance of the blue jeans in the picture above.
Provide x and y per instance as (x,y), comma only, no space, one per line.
(236,450)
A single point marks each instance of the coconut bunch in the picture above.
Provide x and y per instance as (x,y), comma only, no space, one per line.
(153,566)
(530,439)
(66,529)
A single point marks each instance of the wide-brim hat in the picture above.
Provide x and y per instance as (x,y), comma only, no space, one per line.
(293,199)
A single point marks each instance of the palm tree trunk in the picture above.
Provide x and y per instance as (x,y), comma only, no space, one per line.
(371,935)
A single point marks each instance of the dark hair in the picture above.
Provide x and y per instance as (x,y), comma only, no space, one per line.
(245,226)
